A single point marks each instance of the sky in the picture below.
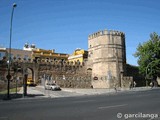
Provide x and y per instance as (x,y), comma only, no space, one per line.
(64,25)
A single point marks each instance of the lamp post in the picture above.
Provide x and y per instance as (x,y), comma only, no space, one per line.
(9,55)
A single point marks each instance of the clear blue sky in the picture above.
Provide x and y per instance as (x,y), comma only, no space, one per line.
(64,25)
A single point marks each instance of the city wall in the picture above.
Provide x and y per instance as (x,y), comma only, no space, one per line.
(65,74)
(104,68)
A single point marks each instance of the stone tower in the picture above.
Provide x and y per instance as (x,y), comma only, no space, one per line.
(106,58)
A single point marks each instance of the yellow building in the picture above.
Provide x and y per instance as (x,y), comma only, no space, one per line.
(43,54)
(78,55)
(49,55)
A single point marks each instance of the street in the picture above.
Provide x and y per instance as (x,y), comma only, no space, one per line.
(118,106)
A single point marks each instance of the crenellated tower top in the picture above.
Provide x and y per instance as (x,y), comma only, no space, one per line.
(105,32)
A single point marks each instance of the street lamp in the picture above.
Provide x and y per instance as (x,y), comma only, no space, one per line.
(9,55)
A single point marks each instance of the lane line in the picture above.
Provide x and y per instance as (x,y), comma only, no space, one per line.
(114,106)
(84,101)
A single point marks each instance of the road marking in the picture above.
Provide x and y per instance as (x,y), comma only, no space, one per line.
(84,101)
(105,107)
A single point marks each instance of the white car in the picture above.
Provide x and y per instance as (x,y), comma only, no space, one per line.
(52,86)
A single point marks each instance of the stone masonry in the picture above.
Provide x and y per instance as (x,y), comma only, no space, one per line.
(107,58)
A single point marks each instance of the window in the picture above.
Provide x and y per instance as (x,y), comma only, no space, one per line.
(62,60)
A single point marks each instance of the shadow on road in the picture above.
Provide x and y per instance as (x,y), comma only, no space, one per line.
(18,95)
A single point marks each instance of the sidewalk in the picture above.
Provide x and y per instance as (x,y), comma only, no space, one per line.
(89,91)
(103,90)
(39,92)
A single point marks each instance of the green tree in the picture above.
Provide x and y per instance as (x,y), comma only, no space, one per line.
(148,55)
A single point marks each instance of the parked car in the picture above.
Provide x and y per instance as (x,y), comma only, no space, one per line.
(52,86)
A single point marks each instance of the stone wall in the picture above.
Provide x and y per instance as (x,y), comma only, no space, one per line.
(137,77)
(104,82)
(65,74)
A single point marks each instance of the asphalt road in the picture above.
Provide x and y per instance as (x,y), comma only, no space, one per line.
(118,106)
